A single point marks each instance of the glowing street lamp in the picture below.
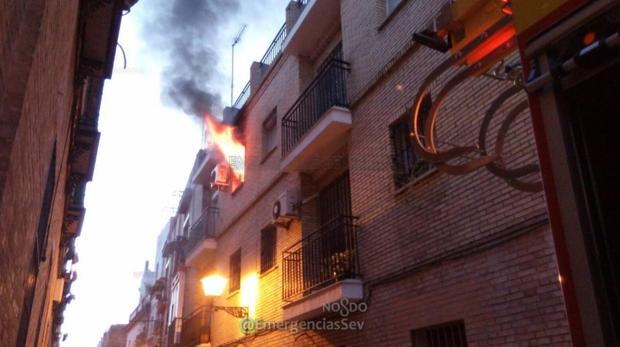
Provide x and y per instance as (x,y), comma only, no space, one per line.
(214,285)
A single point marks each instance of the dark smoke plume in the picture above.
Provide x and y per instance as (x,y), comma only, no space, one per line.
(187,34)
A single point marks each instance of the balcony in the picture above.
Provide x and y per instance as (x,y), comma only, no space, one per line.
(141,313)
(317,124)
(317,20)
(201,242)
(99,31)
(271,56)
(321,268)
(195,328)
(84,150)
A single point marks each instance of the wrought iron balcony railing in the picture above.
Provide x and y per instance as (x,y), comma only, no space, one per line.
(276,46)
(243,97)
(195,328)
(326,90)
(323,257)
(273,52)
(203,228)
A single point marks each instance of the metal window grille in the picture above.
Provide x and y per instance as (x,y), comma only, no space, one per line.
(268,248)
(270,132)
(405,163)
(451,334)
(235,271)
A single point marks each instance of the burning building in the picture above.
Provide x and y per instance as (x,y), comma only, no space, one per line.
(225,144)
(393,183)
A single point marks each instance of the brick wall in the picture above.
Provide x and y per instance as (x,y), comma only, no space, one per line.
(37,115)
(445,248)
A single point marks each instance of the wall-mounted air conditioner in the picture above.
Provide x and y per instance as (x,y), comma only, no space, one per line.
(286,208)
(220,177)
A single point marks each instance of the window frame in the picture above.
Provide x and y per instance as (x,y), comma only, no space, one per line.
(234,280)
(268,248)
(269,129)
(407,166)
(420,336)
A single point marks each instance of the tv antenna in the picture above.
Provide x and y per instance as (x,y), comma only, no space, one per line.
(232,74)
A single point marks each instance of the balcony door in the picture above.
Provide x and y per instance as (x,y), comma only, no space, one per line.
(335,200)
(325,251)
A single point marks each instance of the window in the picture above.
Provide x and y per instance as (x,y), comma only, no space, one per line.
(46,208)
(268,237)
(235,271)
(390,5)
(450,334)
(406,165)
(186,226)
(270,133)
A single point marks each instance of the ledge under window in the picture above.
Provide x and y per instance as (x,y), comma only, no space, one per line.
(399,190)
(268,271)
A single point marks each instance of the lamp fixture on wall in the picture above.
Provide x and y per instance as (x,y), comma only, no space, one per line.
(214,285)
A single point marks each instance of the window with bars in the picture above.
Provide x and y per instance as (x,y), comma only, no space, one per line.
(451,334)
(406,165)
(235,271)
(270,133)
(268,238)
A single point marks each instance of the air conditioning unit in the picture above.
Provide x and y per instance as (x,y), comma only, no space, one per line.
(285,209)
(220,177)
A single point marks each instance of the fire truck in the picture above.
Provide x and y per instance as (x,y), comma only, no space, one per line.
(570,68)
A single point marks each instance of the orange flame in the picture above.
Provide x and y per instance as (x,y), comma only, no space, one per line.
(223,137)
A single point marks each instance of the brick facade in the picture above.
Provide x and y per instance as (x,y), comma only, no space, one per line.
(45,99)
(443,248)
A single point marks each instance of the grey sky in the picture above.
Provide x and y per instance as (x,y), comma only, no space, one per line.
(145,154)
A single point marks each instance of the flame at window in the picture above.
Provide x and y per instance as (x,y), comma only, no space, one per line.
(223,137)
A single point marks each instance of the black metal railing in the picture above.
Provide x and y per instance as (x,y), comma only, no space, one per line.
(323,257)
(270,56)
(326,90)
(195,328)
(203,228)
(275,48)
(243,97)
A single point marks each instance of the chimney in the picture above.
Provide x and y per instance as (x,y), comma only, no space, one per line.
(293,11)
(257,72)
